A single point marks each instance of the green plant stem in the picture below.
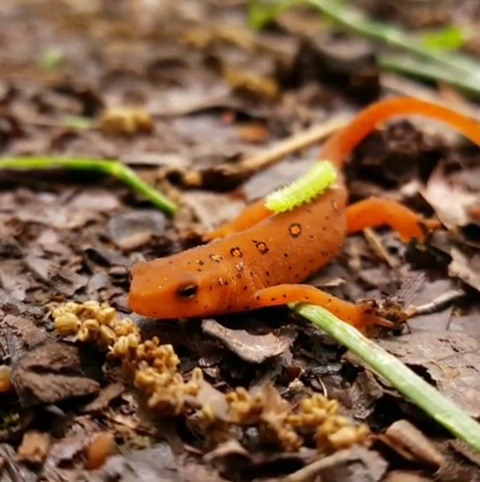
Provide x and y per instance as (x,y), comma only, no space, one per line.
(353,20)
(430,71)
(112,168)
(423,61)
(410,385)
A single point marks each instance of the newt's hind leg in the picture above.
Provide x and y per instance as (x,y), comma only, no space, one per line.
(251,216)
(360,316)
(374,212)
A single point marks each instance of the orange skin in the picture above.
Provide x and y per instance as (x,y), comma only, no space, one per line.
(256,260)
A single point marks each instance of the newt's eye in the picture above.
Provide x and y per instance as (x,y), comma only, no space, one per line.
(187,291)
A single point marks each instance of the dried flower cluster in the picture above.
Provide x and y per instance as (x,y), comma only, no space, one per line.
(154,368)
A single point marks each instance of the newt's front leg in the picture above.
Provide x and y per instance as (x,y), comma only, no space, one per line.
(252,215)
(360,316)
(375,212)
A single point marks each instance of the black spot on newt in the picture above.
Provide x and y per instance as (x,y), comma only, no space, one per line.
(261,246)
(295,230)
(236,252)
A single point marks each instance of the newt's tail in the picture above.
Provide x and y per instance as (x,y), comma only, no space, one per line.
(340,145)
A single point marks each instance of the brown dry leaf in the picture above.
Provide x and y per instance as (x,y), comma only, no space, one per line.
(64,450)
(404,476)
(452,362)
(229,449)
(212,209)
(13,306)
(21,335)
(352,465)
(105,396)
(11,470)
(49,374)
(132,230)
(465,265)
(156,463)
(405,439)
(212,398)
(251,348)
(451,200)
(34,447)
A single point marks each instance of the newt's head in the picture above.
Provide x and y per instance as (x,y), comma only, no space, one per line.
(176,287)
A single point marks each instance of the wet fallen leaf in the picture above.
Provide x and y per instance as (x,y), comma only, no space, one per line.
(251,348)
(156,463)
(132,230)
(350,465)
(11,470)
(465,265)
(451,360)
(49,374)
(413,445)
(456,212)
(105,397)
(34,447)
(404,476)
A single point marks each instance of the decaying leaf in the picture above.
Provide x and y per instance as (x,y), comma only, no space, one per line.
(465,265)
(409,442)
(34,447)
(451,200)
(49,374)
(251,348)
(452,362)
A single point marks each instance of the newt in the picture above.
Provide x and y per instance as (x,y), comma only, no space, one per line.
(260,258)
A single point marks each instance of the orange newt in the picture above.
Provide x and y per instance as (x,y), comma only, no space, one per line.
(258,259)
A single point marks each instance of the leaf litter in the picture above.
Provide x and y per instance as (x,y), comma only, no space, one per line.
(180,104)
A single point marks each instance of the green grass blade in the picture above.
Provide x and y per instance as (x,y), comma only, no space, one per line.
(112,168)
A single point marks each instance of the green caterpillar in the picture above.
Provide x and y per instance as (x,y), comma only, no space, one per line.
(314,182)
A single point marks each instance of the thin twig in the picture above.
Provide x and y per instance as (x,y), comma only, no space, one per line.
(112,168)
(381,251)
(308,472)
(293,144)
(409,384)
(435,305)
